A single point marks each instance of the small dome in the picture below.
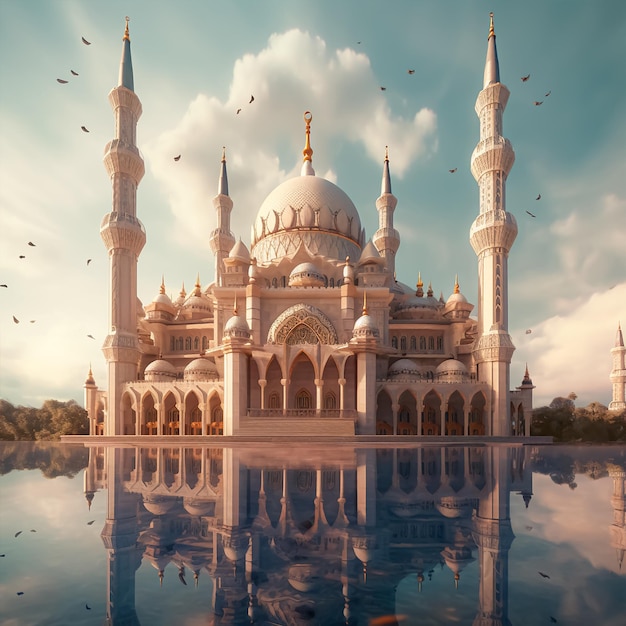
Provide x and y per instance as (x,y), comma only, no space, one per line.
(159,505)
(237,326)
(403,367)
(370,255)
(365,327)
(451,366)
(159,371)
(306,275)
(200,369)
(239,252)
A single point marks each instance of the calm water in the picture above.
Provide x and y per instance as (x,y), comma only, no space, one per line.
(341,535)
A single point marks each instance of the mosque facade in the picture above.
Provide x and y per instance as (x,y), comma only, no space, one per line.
(307,331)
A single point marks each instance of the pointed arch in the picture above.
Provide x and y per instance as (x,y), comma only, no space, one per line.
(171,414)
(149,415)
(302,390)
(407,414)
(302,324)
(454,414)
(128,412)
(384,414)
(330,382)
(193,415)
(477,414)
(431,417)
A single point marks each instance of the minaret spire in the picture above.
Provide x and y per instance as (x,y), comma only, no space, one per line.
(492,235)
(126,64)
(618,373)
(492,68)
(387,239)
(222,239)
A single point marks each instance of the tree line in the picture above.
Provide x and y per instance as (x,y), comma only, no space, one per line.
(568,423)
(53,419)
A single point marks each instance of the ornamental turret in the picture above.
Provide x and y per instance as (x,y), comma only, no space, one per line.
(386,238)
(124,237)
(492,234)
(222,239)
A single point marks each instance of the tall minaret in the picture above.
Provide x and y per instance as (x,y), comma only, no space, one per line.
(618,373)
(492,234)
(386,238)
(221,239)
(124,237)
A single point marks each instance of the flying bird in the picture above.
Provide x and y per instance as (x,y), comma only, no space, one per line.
(30,243)
(63,82)
(91,337)
(553,619)
(538,197)
(85,130)
(91,522)
(2,555)
(17,322)
(4,286)
(238,111)
(87,43)
(88,261)
(19,532)
(452,171)
(74,73)
(543,575)
(549,92)
(410,71)
(528,332)
(32,322)
(177,158)
(531,214)
(529,527)
(538,104)
(525,78)
(87,607)
(32,530)
(383,88)
(20,593)
(251,100)
(22,256)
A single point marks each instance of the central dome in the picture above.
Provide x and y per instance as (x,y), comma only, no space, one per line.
(310,210)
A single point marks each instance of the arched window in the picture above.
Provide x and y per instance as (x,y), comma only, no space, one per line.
(205,343)
(330,401)
(403,343)
(283,281)
(394,342)
(275,282)
(274,401)
(404,415)
(179,343)
(303,400)
(172,344)
(196,343)
(440,343)
(188,343)
(331,282)
(413,343)
(422,343)
(431,343)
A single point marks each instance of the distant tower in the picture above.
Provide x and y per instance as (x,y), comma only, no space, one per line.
(386,238)
(492,234)
(618,373)
(221,239)
(124,237)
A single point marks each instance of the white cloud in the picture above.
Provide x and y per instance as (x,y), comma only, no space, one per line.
(294,73)
(571,351)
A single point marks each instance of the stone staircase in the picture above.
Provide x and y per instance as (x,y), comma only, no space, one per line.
(295,427)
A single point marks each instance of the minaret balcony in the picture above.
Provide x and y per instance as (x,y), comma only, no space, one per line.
(121,157)
(493,94)
(492,154)
(493,229)
(386,239)
(122,231)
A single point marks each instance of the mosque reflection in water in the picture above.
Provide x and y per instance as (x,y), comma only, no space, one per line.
(308,538)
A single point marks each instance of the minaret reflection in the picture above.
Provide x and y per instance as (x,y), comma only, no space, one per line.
(317,536)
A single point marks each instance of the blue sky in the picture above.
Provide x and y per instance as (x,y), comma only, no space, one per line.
(196,63)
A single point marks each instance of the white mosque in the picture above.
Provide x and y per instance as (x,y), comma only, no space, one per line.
(307,332)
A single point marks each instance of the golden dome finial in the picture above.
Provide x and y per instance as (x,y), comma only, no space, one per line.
(492,32)
(308,151)
(162,289)
(419,279)
(456,284)
(235,305)
(223,154)
(126,33)
(365,303)
(386,153)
